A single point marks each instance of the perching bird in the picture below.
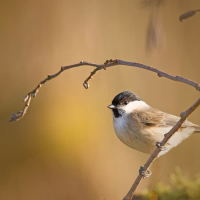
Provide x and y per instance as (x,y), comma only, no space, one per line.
(142,127)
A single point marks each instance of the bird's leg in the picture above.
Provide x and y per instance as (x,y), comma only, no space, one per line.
(144,173)
(162,148)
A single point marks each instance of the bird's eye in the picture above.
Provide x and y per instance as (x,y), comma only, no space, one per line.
(125,102)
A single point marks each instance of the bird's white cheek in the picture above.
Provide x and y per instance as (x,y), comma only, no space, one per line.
(131,106)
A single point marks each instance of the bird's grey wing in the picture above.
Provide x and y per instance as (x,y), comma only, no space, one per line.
(153,117)
(171,120)
(150,117)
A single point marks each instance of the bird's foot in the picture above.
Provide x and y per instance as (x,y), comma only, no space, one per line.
(143,173)
(162,148)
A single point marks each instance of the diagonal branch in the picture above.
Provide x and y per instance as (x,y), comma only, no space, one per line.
(109,63)
(153,156)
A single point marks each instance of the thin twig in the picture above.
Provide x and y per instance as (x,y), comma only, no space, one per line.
(108,63)
(188,14)
(33,93)
(184,116)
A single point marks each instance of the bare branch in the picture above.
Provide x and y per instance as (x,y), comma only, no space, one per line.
(161,73)
(108,63)
(153,156)
(33,93)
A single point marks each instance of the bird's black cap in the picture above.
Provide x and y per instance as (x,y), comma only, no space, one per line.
(124,98)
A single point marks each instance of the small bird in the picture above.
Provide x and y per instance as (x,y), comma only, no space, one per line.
(142,127)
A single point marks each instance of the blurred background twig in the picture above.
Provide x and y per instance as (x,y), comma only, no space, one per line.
(188,14)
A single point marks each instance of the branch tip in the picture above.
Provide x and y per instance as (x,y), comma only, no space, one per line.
(86,85)
(186,15)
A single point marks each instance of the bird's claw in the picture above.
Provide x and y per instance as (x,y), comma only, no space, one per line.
(143,173)
(162,148)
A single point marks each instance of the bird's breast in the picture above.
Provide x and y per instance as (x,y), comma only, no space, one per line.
(132,135)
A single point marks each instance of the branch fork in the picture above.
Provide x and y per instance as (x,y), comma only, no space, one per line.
(86,82)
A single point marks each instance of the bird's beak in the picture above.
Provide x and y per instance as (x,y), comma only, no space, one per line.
(112,106)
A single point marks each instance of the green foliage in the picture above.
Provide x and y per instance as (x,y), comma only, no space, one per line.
(182,188)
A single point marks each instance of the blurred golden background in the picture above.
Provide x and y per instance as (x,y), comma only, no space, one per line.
(65,147)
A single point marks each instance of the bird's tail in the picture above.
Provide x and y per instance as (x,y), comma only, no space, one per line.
(197,128)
